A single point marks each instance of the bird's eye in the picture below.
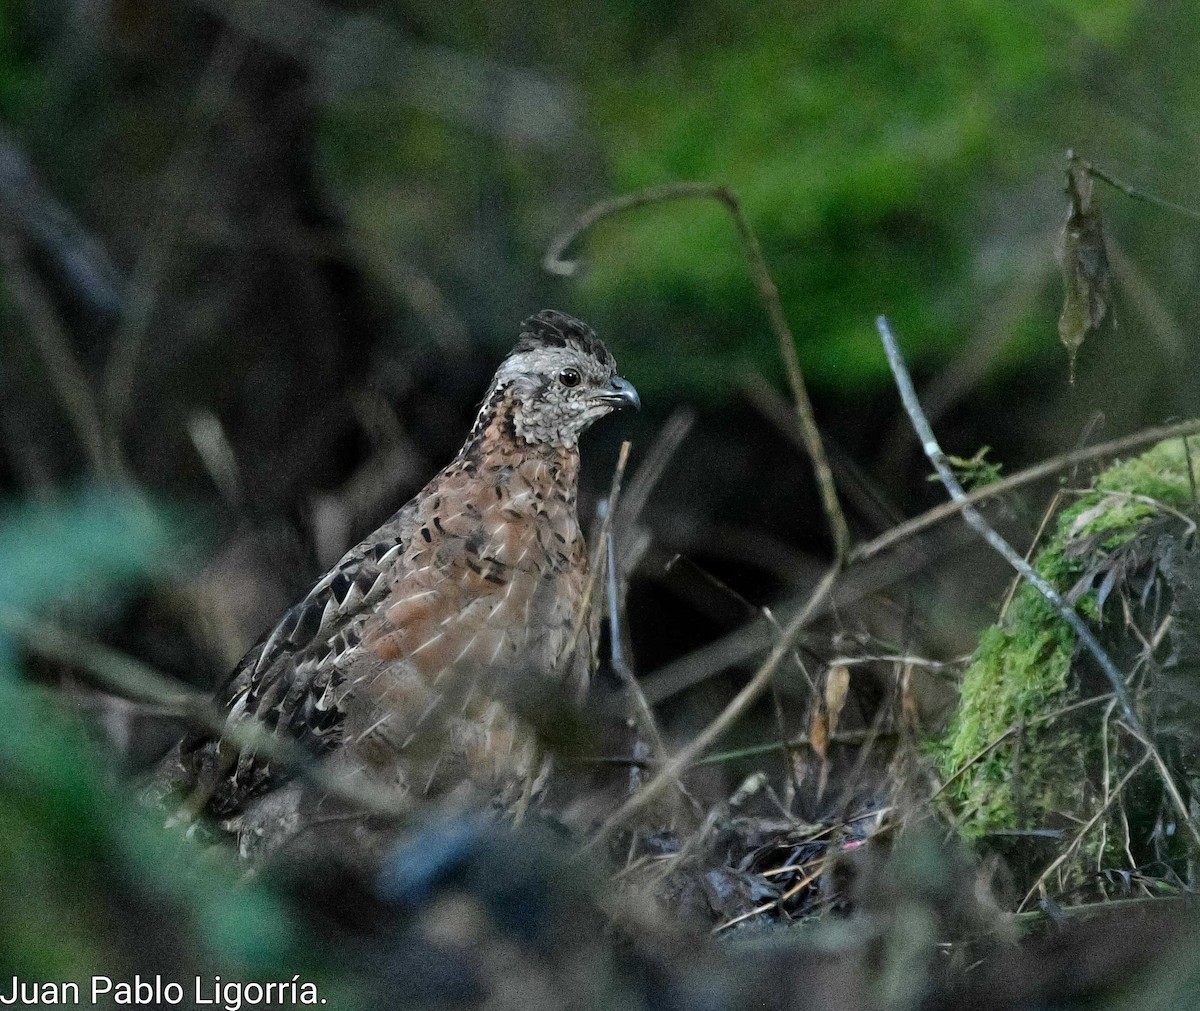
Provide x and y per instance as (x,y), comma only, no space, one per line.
(569,377)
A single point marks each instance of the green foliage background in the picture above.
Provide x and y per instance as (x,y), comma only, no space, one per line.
(903,161)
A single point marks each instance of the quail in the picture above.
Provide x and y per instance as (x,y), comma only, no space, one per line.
(400,667)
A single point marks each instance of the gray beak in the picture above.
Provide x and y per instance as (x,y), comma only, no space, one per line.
(621,393)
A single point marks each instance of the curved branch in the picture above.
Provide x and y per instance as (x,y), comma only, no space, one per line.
(555,262)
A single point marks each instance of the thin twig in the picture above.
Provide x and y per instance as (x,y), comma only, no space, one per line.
(766,907)
(1006,734)
(598,554)
(1049,513)
(748,641)
(1168,780)
(686,757)
(644,480)
(620,662)
(1113,908)
(1146,500)
(915,661)
(791,744)
(933,451)
(555,263)
(1106,779)
(1113,447)
(856,487)
(1014,585)
(1096,172)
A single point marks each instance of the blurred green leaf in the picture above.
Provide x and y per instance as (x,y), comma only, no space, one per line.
(79,547)
(74,850)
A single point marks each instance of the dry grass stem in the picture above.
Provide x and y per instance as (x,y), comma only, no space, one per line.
(766,907)
(1087,826)
(599,551)
(64,374)
(673,769)
(1177,801)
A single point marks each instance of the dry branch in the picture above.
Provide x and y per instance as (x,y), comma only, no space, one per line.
(132,679)
(556,264)
(1096,172)
(933,450)
(1114,447)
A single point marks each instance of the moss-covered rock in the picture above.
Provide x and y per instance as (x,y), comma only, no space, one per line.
(1020,753)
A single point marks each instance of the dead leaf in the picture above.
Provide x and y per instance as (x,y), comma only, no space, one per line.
(751,786)
(1087,282)
(837,685)
(818,733)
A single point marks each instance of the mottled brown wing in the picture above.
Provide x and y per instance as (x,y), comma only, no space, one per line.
(408,643)
(289,681)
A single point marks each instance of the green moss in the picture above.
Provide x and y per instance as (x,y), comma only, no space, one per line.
(1022,670)
(1161,474)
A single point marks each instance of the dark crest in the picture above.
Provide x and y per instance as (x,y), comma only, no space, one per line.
(553,329)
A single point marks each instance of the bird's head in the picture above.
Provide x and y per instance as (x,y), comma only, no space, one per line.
(557,381)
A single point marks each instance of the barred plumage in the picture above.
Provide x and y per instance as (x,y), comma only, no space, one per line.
(401,663)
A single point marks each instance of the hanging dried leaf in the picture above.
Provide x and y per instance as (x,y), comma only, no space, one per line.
(1087,283)
(837,685)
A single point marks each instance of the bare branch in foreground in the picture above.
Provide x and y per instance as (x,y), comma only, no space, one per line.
(135,681)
